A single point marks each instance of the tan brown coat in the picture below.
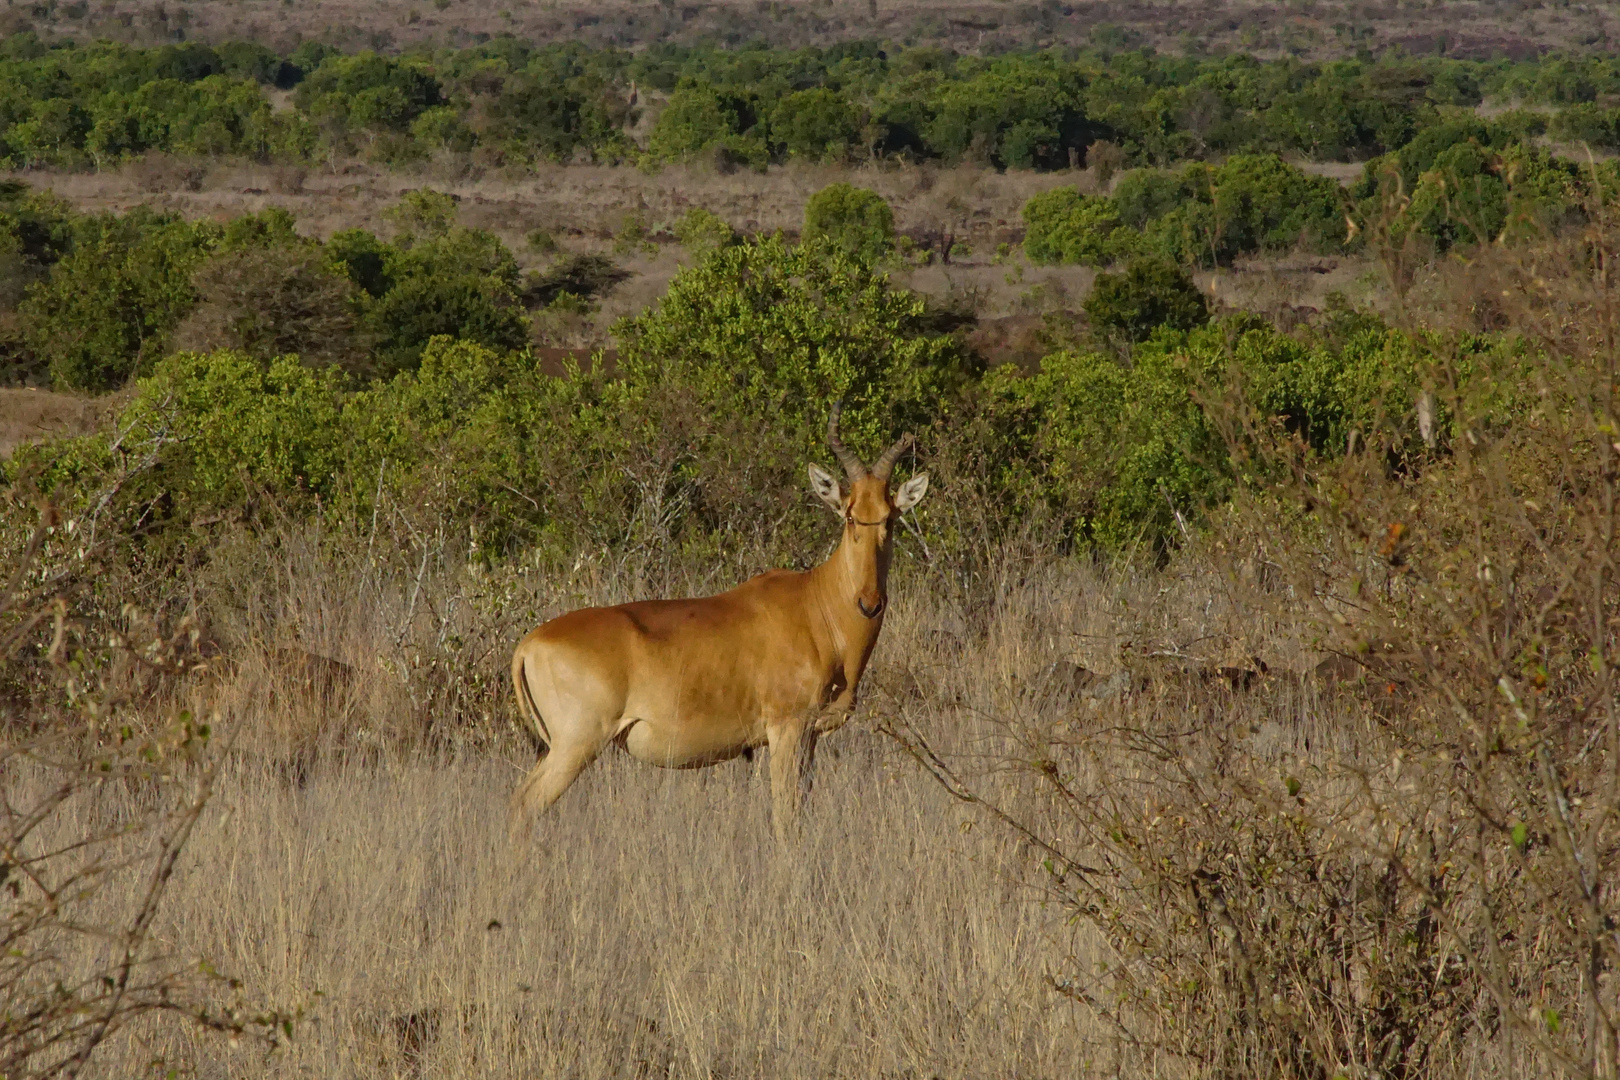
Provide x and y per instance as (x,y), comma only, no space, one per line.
(773,663)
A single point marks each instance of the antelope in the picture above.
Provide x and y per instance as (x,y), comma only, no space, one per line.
(683,684)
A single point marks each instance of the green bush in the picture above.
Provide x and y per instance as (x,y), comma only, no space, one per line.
(1150,293)
(1588,123)
(1144,195)
(368,91)
(107,309)
(65,105)
(241,426)
(1460,200)
(778,330)
(701,118)
(817,125)
(1064,226)
(422,214)
(1261,203)
(1115,448)
(423,306)
(855,220)
(701,231)
(721,395)
(1195,214)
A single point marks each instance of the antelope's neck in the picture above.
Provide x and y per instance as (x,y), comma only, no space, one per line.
(835,585)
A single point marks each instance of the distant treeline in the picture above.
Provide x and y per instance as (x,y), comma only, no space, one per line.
(1458,183)
(509,103)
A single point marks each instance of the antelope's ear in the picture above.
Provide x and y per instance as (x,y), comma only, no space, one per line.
(825,485)
(911,492)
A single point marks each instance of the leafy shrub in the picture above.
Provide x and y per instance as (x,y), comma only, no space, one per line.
(1261,203)
(108,307)
(1064,226)
(855,220)
(1148,294)
(368,91)
(700,119)
(1195,214)
(422,306)
(240,424)
(272,302)
(1019,112)
(1144,195)
(363,258)
(817,124)
(701,231)
(1460,200)
(217,115)
(786,329)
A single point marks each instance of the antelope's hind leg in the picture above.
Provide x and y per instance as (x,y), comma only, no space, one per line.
(571,744)
(551,776)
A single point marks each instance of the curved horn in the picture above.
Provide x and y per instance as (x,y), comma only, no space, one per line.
(883,466)
(852,464)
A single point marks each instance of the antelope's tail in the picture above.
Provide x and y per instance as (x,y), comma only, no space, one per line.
(525,698)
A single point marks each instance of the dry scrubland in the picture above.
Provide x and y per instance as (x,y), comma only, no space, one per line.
(587,207)
(1329,791)
(1317,30)
(652,927)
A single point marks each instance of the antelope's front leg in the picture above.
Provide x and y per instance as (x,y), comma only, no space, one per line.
(836,712)
(793,749)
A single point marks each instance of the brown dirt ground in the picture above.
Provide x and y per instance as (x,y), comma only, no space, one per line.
(30,415)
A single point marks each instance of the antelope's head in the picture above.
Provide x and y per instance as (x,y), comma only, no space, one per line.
(870,513)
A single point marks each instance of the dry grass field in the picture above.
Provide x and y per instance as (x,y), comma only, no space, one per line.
(651,927)
(353,863)
(30,415)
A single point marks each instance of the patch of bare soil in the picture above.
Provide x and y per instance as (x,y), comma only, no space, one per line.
(31,415)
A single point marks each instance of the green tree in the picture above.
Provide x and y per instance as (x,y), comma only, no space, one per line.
(856,220)
(1148,294)
(1064,226)
(107,308)
(817,124)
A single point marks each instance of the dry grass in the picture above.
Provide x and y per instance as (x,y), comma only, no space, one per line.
(31,415)
(651,927)
(583,205)
(353,859)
